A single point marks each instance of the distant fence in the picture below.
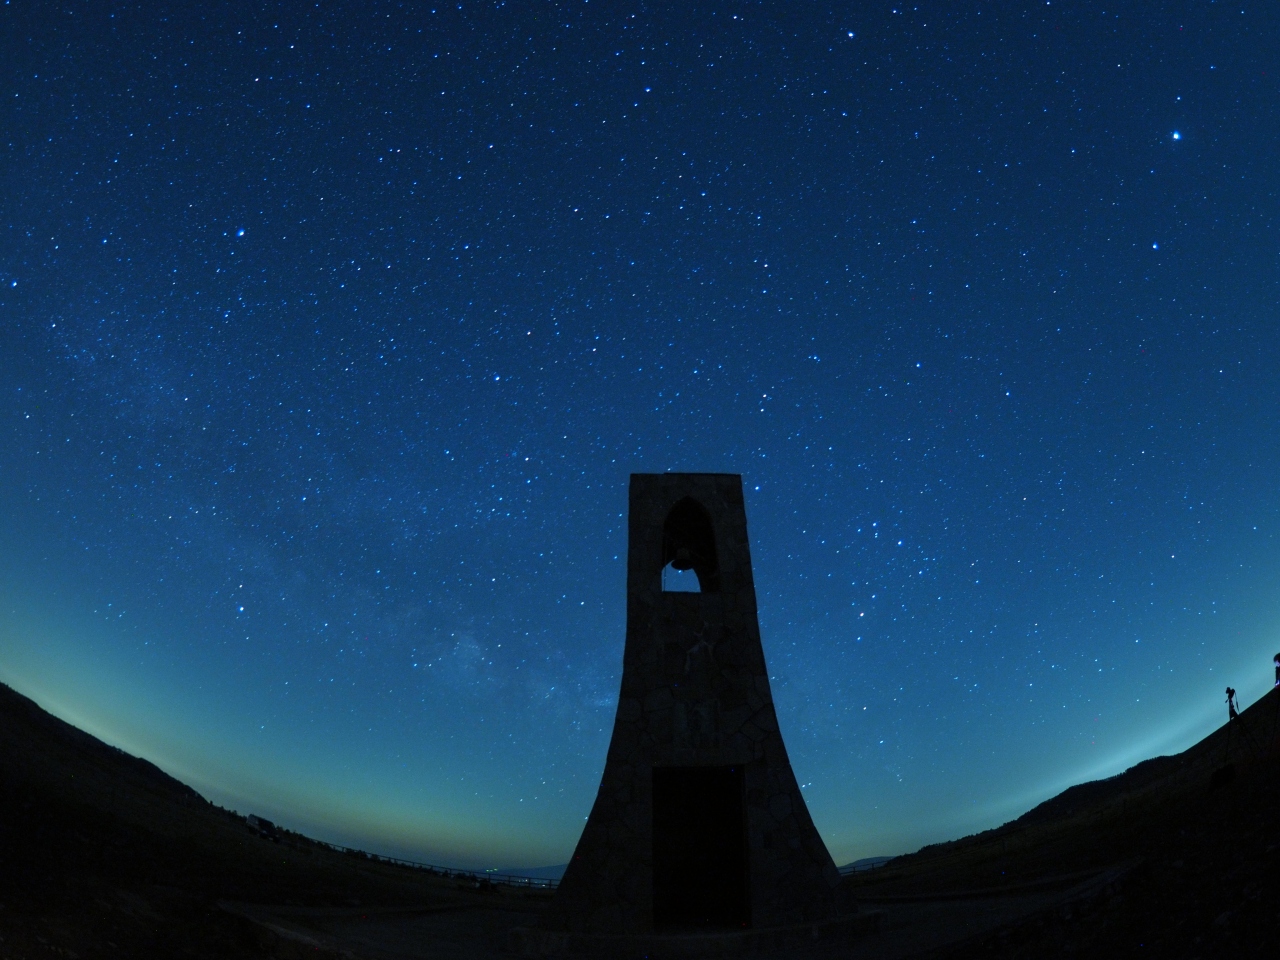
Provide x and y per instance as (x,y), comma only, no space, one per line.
(480,878)
(861,867)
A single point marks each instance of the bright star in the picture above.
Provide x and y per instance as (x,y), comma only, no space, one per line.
(1177,135)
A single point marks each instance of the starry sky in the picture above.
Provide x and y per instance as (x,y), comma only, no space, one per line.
(330,334)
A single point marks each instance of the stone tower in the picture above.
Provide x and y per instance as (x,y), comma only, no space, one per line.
(699,822)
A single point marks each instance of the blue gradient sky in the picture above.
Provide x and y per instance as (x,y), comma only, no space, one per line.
(329,338)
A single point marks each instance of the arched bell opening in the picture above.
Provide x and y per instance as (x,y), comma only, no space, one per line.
(689,544)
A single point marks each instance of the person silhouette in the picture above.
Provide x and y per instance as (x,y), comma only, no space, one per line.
(1277,660)
(1233,712)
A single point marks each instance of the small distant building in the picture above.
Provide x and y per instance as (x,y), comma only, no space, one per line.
(699,823)
(263,827)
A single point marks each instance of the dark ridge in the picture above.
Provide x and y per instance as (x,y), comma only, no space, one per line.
(102,854)
(1084,795)
(49,739)
(1188,847)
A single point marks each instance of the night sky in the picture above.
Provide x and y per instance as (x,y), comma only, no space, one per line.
(330,335)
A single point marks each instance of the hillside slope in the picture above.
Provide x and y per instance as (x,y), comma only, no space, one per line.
(104,855)
(1197,834)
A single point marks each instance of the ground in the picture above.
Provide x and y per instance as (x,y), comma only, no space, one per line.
(103,855)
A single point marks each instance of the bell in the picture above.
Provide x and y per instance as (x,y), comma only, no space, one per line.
(683,559)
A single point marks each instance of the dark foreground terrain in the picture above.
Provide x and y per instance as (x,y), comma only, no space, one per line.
(103,855)
(1192,840)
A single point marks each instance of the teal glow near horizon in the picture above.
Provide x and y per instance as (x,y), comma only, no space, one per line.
(338,791)
(327,348)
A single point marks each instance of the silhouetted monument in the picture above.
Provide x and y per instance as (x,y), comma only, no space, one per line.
(699,822)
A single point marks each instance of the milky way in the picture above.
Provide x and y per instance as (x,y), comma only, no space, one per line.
(329,337)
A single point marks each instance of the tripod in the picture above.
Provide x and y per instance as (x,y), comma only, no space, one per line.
(1237,723)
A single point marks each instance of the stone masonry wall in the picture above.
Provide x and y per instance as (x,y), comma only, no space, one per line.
(695,691)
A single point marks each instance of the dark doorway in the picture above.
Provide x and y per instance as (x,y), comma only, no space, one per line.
(699,848)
